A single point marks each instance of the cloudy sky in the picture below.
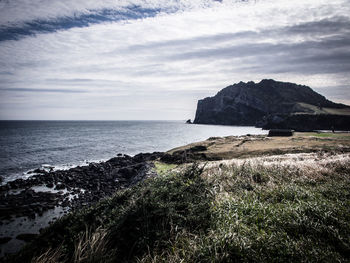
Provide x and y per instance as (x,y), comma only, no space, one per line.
(153,59)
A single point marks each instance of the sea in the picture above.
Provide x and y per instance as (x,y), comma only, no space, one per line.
(28,145)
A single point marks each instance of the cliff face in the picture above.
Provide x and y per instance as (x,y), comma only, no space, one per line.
(263,103)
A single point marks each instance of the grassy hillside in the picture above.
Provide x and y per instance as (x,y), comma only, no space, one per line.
(286,208)
(313,109)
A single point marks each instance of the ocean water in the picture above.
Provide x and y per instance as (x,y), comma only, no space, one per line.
(27,145)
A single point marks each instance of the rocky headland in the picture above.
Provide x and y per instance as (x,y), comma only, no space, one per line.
(273,104)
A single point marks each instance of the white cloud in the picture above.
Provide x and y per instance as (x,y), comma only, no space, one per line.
(157,68)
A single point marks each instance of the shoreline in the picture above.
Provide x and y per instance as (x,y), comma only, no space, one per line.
(29,205)
(34,203)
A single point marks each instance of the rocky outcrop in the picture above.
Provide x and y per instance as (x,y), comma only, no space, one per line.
(269,103)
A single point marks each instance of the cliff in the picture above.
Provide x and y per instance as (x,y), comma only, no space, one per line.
(271,103)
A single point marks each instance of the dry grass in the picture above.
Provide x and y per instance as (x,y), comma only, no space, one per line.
(91,246)
(308,165)
(50,256)
(260,145)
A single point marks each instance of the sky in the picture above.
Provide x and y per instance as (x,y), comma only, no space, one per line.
(154,59)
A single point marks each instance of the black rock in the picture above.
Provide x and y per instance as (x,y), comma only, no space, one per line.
(99,180)
(4,240)
(60,186)
(280,132)
(198,148)
(31,215)
(26,237)
(39,171)
(29,192)
(127,172)
(169,158)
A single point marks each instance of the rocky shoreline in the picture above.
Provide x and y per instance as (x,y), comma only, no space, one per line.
(47,195)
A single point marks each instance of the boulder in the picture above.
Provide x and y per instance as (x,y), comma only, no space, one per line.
(4,240)
(27,237)
(280,132)
(60,186)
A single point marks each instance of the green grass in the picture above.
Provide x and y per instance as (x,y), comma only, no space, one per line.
(286,224)
(224,214)
(328,134)
(163,168)
(271,215)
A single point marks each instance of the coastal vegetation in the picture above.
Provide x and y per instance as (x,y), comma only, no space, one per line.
(282,208)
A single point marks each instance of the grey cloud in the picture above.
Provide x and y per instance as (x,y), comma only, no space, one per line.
(324,26)
(202,40)
(6,73)
(42,90)
(228,52)
(334,26)
(69,80)
(328,53)
(326,56)
(249,49)
(337,92)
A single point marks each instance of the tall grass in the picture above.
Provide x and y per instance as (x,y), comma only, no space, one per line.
(90,247)
(93,247)
(273,212)
(50,256)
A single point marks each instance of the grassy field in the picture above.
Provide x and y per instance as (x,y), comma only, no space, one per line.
(259,145)
(282,208)
(341,136)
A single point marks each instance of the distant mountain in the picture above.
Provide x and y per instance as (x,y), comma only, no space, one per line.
(272,104)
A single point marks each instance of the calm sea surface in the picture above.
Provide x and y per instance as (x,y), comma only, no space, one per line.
(26,145)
